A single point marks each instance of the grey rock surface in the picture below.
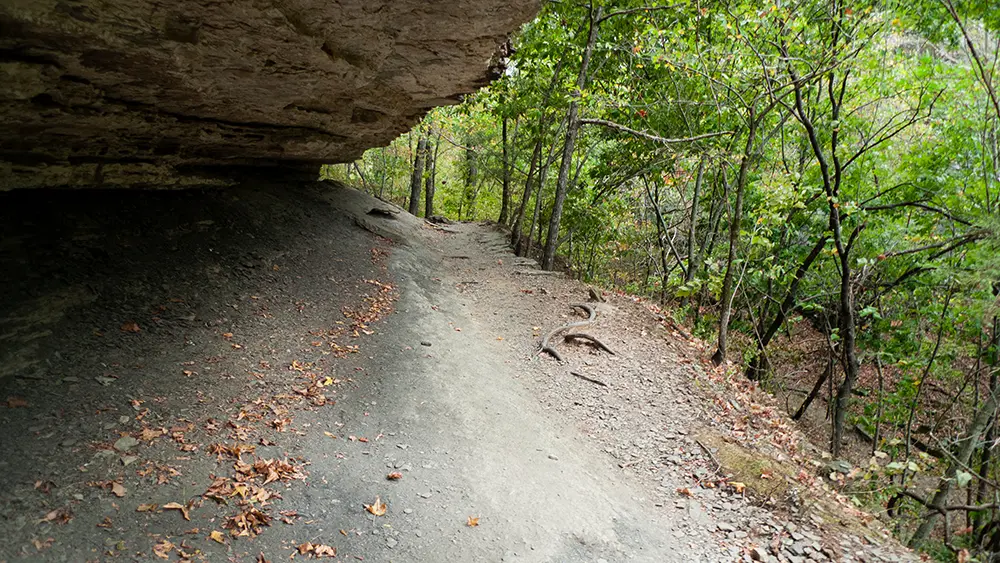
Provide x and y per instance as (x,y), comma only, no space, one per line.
(162,94)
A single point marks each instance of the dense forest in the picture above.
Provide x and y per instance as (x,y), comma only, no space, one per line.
(813,186)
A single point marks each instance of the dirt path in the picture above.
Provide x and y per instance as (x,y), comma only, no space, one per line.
(286,361)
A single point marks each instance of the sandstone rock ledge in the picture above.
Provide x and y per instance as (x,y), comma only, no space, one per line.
(169,93)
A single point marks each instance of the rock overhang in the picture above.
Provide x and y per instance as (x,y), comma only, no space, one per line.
(171,94)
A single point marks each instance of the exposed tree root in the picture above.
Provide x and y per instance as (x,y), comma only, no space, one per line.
(590,379)
(548,348)
(589,338)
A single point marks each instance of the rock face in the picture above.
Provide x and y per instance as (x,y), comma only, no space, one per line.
(172,93)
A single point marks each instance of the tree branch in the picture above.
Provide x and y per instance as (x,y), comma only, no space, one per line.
(650,136)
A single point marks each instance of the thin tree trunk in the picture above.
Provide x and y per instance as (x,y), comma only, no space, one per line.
(572,129)
(536,156)
(505,195)
(517,238)
(430,178)
(418,174)
(827,373)
(542,177)
(471,179)
(755,367)
(692,267)
(735,221)
(967,445)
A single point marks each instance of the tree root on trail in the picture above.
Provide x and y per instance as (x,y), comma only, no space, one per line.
(589,338)
(590,379)
(548,348)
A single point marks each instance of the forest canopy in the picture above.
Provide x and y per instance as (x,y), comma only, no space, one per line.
(813,186)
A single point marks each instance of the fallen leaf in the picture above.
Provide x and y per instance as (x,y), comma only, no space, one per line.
(106,523)
(364,440)
(44,486)
(130,326)
(261,559)
(377,508)
(330,435)
(324,551)
(304,548)
(178,506)
(16,402)
(473,522)
(59,516)
(118,490)
(41,545)
(394,476)
(147,508)
(163,549)
(738,487)
(217,536)
(684,491)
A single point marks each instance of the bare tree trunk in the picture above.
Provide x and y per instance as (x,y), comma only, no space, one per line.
(505,195)
(692,268)
(543,175)
(755,368)
(418,174)
(827,373)
(572,129)
(430,178)
(536,156)
(735,221)
(966,446)
(471,180)
(516,237)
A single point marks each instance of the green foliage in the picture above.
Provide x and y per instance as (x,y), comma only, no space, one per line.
(911,132)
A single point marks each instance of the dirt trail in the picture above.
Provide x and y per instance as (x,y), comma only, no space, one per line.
(280,322)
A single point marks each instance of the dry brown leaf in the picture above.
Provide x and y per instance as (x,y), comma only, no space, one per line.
(330,435)
(377,508)
(684,491)
(178,506)
(16,402)
(324,551)
(106,523)
(163,549)
(150,434)
(217,536)
(59,516)
(44,486)
(43,544)
(147,508)
(130,326)
(305,548)
(118,490)
(394,476)
(738,487)
(473,522)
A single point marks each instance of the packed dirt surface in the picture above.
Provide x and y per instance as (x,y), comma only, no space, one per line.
(279,371)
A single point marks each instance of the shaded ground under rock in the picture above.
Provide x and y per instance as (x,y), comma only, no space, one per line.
(265,360)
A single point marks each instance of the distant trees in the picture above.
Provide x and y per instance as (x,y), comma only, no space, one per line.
(769,170)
